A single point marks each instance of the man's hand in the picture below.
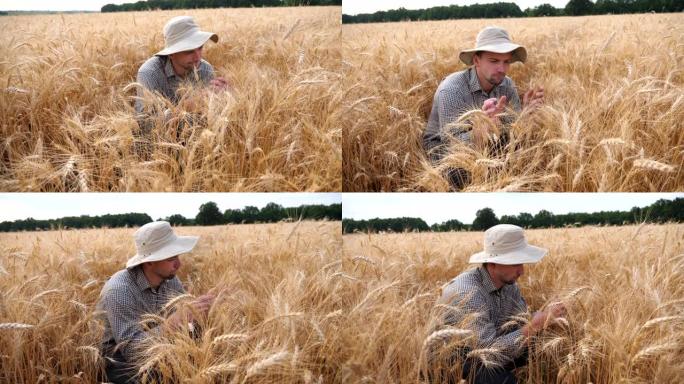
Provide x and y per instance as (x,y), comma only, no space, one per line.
(541,319)
(219,84)
(200,305)
(493,107)
(203,304)
(533,98)
(482,133)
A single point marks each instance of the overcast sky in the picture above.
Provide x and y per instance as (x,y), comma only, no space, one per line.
(440,207)
(15,206)
(56,5)
(353,7)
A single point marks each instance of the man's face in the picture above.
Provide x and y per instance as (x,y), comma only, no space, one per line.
(187,60)
(166,269)
(492,66)
(506,274)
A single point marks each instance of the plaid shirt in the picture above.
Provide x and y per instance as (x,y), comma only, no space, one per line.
(157,75)
(125,297)
(473,292)
(458,93)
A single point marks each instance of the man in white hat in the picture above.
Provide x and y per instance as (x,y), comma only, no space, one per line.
(180,61)
(486,298)
(484,85)
(146,284)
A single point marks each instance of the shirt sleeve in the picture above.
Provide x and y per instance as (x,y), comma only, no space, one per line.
(451,105)
(474,315)
(206,72)
(148,81)
(513,97)
(124,321)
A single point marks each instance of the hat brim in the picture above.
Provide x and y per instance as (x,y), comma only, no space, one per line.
(528,255)
(518,51)
(182,244)
(195,41)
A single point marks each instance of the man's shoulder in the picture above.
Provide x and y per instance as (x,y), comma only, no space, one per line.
(508,83)
(175,285)
(205,65)
(153,64)
(465,283)
(455,80)
(121,281)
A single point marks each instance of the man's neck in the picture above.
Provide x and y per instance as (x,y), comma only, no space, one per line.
(484,84)
(497,284)
(154,280)
(179,71)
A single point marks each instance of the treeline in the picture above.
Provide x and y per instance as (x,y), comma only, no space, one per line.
(209,214)
(189,4)
(500,10)
(83,221)
(659,212)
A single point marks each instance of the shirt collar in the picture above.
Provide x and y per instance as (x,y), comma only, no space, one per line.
(487,280)
(168,68)
(474,83)
(141,281)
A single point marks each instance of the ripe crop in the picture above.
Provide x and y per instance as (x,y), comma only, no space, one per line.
(612,118)
(67,94)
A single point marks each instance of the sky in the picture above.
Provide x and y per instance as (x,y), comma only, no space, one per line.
(56,5)
(43,206)
(353,7)
(440,207)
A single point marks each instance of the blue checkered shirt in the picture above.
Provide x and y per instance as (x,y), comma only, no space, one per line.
(125,297)
(157,75)
(473,292)
(458,93)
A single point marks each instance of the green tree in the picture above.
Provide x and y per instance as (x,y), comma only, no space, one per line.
(177,220)
(271,213)
(484,219)
(250,214)
(209,214)
(579,7)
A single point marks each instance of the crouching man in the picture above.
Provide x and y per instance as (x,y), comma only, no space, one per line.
(146,284)
(485,300)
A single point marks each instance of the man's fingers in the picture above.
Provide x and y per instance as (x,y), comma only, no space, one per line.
(489,104)
(501,104)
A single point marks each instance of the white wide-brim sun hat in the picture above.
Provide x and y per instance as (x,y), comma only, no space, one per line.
(506,244)
(182,34)
(494,39)
(156,241)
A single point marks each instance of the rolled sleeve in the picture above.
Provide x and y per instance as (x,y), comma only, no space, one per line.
(148,81)
(450,107)
(124,321)
(510,345)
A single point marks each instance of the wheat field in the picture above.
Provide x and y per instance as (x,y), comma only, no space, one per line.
(303,304)
(624,287)
(66,101)
(275,321)
(612,121)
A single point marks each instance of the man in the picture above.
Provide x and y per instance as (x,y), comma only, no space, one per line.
(180,61)
(484,300)
(145,286)
(484,85)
